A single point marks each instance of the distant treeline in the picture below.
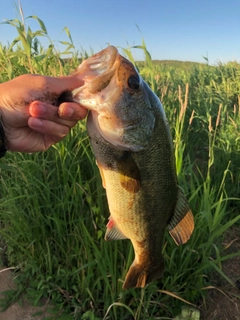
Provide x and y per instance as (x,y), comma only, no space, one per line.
(176,64)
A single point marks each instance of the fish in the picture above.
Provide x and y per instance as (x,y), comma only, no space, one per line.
(133,147)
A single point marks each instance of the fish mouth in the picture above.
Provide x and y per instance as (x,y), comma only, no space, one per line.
(101,60)
(97,64)
(96,72)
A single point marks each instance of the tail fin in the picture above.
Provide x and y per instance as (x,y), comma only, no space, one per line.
(139,275)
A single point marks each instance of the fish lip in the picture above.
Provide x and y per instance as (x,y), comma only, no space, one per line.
(97,62)
(101,61)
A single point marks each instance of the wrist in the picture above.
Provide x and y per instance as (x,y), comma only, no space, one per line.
(3,149)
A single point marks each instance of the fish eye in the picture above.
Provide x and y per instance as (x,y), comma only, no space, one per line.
(133,82)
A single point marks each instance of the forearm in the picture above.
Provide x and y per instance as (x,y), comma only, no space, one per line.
(3,149)
(2,133)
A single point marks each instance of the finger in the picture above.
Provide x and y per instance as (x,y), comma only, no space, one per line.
(71,111)
(41,110)
(56,130)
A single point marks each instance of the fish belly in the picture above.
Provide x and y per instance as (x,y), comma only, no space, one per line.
(141,215)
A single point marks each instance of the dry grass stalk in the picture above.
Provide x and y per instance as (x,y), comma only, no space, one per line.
(192,116)
(183,104)
(219,115)
(164,92)
(210,128)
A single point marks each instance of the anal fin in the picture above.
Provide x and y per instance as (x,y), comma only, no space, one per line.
(181,224)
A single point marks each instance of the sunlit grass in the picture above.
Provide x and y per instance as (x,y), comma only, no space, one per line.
(54,211)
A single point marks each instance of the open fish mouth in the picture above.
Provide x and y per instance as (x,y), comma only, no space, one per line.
(99,61)
(97,64)
(96,72)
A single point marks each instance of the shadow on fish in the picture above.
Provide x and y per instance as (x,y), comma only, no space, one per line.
(133,147)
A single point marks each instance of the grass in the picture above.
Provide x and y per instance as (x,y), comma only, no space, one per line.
(53,207)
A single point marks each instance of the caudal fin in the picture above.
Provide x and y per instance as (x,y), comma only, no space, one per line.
(139,276)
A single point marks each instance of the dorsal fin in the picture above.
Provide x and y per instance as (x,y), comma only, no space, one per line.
(181,224)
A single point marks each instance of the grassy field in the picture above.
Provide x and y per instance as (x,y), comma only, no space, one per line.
(53,208)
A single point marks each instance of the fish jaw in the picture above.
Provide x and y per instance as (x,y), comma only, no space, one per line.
(112,86)
(94,66)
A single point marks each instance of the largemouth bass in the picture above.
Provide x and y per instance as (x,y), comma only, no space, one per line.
(131,141)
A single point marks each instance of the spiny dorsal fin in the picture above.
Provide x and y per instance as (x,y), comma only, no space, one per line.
(181,224)
(113,233)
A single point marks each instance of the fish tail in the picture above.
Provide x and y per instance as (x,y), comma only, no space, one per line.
(140,275)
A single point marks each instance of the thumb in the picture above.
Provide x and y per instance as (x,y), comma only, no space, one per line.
(64,83)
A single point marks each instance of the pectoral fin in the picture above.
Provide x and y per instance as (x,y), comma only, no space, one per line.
(130,177)
(181,224)
(113,233)
(129,184)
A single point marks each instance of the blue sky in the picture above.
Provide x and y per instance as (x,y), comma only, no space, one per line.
(172,29)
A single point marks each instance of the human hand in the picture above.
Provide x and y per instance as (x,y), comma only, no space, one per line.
(29,116)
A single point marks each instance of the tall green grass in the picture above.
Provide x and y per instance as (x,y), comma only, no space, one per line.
(53,208)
